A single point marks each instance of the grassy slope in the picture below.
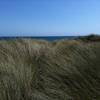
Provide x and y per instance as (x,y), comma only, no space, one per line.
(39,70)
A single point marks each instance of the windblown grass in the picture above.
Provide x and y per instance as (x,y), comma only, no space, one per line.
(40,70)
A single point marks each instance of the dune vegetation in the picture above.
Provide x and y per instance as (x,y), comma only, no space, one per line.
(41,70)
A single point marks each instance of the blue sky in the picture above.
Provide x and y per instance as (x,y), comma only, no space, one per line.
(49,17)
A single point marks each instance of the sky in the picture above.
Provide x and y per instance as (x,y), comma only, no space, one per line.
(49,17)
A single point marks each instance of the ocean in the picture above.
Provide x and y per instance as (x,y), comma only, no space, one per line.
(48,38)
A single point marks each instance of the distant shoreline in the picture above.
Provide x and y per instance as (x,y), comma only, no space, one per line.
(48,38)
(91,37)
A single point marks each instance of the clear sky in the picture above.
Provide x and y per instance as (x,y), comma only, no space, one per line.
(49,17)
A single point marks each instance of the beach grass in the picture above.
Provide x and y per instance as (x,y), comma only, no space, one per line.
(41,70)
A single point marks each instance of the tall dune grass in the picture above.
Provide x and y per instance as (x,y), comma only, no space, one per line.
(40,70)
